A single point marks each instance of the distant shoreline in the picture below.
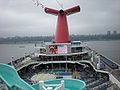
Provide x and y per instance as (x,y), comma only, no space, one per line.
(39,42)
(39,39)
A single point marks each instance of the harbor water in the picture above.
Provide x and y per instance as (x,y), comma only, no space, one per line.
(110,49)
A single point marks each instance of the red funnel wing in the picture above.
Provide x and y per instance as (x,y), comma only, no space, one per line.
(72,10)
(51,11)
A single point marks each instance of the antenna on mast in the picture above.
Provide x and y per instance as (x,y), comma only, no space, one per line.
(61,5)
(37,3)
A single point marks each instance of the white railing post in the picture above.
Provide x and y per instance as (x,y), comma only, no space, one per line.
(41,85)
(92,58)
(12,59)
(98,60)
(49,88)
(62,84)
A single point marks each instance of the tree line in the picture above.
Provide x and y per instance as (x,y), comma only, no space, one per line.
(37,39)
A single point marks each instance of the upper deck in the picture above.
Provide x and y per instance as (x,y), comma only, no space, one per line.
(59,49)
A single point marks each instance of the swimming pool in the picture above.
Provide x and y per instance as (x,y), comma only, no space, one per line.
(70,84)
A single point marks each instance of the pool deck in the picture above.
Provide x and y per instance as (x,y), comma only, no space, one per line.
(42,76)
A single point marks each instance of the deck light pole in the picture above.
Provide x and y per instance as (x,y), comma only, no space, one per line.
(66,64)
(12,59)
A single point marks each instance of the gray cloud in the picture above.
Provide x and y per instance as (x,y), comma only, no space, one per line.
(23,18)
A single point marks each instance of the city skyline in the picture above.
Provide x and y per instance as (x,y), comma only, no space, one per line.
(23,18)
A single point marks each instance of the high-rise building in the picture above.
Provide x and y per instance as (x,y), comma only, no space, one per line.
(114,32)
(108,32)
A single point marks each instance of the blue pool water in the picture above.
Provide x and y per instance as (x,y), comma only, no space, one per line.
(61,73)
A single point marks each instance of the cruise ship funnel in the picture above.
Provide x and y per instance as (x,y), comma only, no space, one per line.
(62,32)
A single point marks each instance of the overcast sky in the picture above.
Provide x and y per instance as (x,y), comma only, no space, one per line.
(23,18)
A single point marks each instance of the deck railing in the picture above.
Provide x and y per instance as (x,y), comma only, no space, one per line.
(50,86)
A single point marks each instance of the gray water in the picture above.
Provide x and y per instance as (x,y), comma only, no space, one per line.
(14,50)
(111,49)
